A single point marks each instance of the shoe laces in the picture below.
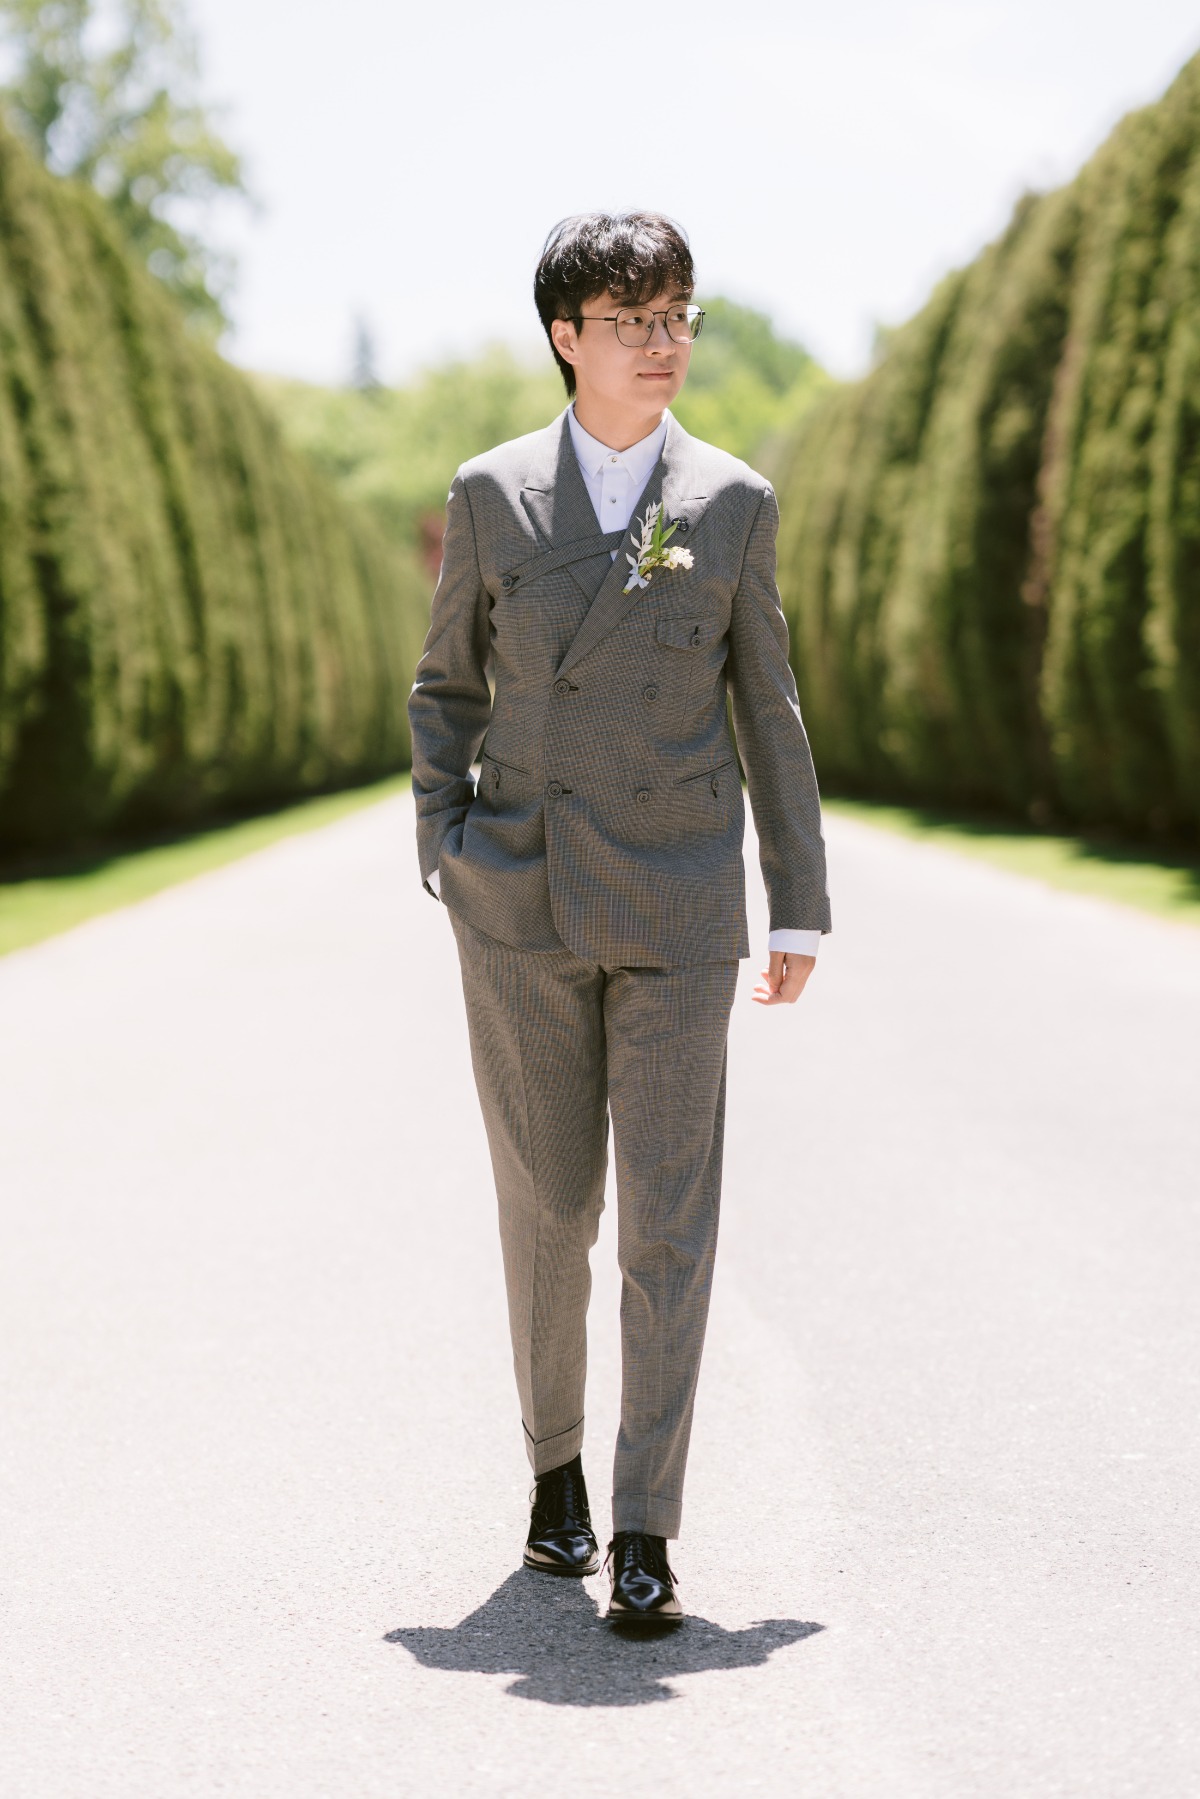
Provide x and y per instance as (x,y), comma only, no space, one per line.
(638,1549)
(560,1492)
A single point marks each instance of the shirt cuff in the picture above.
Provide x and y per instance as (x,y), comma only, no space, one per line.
(795,943)
(435,882)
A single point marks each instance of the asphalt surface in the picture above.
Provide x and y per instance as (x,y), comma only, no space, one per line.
(262,1488)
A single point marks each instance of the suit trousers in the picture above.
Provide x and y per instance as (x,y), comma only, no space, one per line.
(557,1043)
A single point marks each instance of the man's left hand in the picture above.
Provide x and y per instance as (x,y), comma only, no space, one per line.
(784,979)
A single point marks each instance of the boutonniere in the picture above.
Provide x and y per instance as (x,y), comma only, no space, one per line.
(651,541)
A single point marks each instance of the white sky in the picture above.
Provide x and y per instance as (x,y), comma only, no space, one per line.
(829,162)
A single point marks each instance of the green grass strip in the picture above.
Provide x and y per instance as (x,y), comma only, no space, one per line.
(1130,875)
(56,894)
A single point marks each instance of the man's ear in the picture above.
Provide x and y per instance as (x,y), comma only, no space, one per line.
(564,338)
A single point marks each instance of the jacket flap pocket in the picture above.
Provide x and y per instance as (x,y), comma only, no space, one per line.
(493,773)
(500,762)
(690,633)
(707,774)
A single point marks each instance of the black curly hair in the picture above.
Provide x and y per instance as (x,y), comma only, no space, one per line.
(631,255)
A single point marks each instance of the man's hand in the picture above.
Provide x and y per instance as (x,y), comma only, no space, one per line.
(783,980)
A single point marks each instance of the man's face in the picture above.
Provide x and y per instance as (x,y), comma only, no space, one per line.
(642,377)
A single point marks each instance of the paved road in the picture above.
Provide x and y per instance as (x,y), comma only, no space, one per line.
(262,1486)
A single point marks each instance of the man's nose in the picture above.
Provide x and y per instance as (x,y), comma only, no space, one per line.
(660,337)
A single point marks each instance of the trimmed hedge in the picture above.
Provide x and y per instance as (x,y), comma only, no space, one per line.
(190,619)
(990,553)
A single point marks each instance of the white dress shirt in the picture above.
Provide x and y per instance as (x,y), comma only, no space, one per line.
(614,480)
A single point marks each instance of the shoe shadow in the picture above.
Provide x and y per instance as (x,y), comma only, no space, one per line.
(546,1631)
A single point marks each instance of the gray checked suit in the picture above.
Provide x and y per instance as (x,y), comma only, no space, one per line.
(595,883)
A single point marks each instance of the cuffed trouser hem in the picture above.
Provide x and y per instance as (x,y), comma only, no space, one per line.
(654,1513)
(553,1452)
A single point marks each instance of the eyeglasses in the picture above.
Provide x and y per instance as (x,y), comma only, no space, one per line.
(635,324)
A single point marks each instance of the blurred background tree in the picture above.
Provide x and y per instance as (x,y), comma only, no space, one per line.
(192,620)
(747,385)
(109,96)
(364,370)
(990,545)
(395,449)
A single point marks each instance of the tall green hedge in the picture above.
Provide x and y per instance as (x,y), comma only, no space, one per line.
(991,545)
(190,618)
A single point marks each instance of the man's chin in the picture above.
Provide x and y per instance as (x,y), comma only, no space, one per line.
(663,392)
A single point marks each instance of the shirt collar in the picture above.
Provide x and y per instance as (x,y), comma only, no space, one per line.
(638,459)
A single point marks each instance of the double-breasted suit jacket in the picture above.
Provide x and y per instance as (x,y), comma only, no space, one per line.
(608,814)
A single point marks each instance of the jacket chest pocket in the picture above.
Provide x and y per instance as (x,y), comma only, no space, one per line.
(692,649)
(692,632)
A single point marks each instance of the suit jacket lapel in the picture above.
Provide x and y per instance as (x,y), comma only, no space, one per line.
(555,498)
(673,480)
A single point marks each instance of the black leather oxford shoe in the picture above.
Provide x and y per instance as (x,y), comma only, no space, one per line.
(561,1539)
(643,1586)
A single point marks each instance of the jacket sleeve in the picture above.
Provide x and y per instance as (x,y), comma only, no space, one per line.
(772,741)
(450,703)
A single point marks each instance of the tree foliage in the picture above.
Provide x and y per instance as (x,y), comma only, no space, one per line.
(991,544)
(396,449)
(108,95)
(190,618)
(746,384)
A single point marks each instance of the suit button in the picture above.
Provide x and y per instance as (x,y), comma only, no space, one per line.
(650,693)
(696,638)
(562,687)
(554,789)
(495,777)
(508,581)
(643,796)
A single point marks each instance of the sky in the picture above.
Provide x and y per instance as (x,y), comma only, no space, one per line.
(829,163)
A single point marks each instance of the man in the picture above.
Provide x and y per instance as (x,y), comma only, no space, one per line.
(605,583)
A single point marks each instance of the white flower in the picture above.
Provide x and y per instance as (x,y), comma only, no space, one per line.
(652,551)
